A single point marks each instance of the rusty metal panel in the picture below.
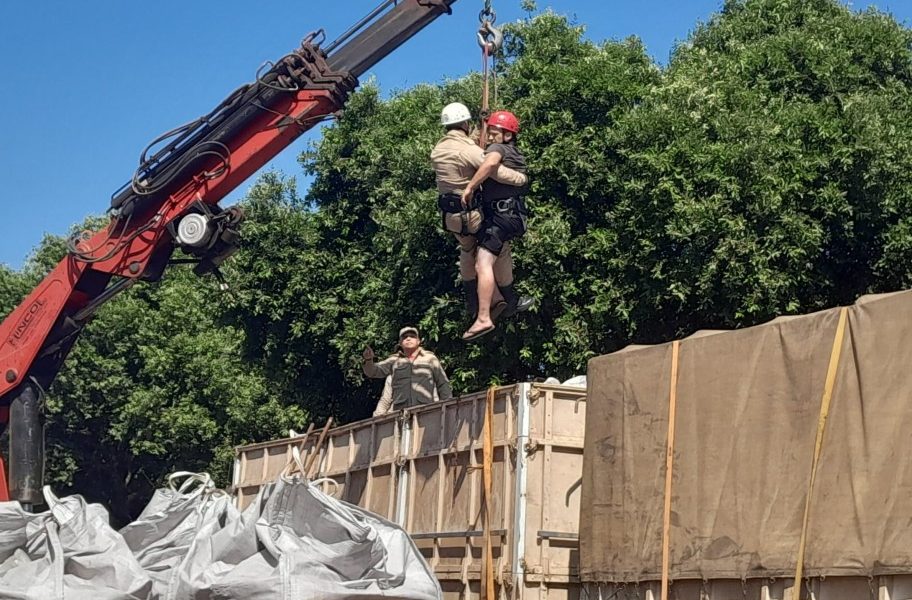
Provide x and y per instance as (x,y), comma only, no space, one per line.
(444,461)
(423,469)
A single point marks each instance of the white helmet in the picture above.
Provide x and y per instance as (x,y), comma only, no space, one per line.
(453,113)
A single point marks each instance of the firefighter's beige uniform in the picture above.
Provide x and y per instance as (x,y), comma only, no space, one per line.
(456,158)
(412,382)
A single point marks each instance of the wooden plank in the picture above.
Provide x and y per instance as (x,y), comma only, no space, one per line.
(317,448)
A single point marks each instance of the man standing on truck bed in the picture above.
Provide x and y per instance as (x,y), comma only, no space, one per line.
(416,374)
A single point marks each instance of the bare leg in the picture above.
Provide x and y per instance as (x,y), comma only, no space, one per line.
(467,246)
(484,268)
(467,269)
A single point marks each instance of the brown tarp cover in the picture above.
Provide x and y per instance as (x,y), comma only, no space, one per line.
(748,404)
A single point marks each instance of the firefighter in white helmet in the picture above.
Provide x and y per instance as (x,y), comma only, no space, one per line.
(456,158)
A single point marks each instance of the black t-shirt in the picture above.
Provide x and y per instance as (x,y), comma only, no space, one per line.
(493,190)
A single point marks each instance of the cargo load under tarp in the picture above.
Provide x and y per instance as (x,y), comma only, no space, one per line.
(748,407)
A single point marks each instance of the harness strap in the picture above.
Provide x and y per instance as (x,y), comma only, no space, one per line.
(504,205)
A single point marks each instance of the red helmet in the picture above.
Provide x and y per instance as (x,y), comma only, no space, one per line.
(505,120)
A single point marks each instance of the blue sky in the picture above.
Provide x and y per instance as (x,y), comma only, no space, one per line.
(86,85)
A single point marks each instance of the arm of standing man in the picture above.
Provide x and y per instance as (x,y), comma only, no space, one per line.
(441,381)
(379,369)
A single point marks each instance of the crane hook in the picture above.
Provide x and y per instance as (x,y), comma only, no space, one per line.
(490,38)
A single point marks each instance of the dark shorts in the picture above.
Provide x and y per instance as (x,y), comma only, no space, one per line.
(499,228)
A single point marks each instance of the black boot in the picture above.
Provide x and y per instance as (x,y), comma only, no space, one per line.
(515,302)
(471,297)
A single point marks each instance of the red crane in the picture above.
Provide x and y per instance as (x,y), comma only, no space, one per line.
(171,203)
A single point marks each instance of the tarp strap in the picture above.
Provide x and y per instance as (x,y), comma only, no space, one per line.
(669,464)
(821,426)
(487,464)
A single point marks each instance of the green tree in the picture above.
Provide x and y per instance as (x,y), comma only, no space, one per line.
(768,173)
(156,384)
(13,287)
(764,171)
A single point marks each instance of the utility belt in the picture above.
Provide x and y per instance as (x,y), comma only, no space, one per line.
(452,203)
(457,218)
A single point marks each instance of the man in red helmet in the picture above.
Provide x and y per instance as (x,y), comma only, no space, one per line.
(456,157)
(505,219)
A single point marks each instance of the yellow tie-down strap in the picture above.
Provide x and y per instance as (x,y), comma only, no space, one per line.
(821,427)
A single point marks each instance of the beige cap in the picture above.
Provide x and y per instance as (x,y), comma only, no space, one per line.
(406,330)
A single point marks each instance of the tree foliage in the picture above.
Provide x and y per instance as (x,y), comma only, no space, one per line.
(771,165)
(764,171)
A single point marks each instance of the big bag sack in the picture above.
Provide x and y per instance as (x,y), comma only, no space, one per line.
(294,541)
(162,535)
(69,552)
